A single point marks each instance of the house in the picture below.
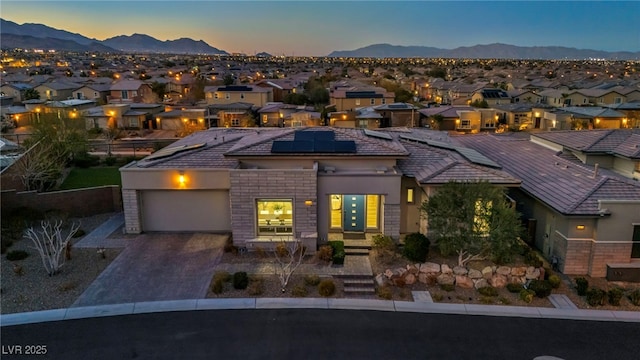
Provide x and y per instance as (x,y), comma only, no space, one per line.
(397,114)
(116,115)
(266,184)
(347,96)
(491,96)
(130,91)
(15,91)
(96,92)
(180,119)
(229,94)
(586,216)
(524,95)
(281,87)
(278,114)
(593,117)
(449,116)
(238,114)
(56,90)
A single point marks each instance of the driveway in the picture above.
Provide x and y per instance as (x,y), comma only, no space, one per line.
(157,267)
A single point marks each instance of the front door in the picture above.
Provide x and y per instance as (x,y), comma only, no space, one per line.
(353,215)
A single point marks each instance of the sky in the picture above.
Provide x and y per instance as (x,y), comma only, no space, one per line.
(316,28)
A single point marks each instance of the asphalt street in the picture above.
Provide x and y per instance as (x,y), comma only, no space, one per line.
(320,334)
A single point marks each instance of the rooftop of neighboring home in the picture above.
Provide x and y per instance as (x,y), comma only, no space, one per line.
(238,88)
(494,94)
(622,142)
(591,112)
(445,111)
(569,187)
(126,85)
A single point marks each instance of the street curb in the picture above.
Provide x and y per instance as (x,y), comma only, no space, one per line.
(313,303)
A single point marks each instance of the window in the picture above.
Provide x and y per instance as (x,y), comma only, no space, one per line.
(410,199)
(133,122)
(235,122)
(357,102)
(465,124)
(635,248)
(372,211)
(617,100)
(241,95)
(227,96)
(336,211)
(124,94)
(216,96)
(275,216)
(384,101)
(265,118)
(373,101)
(363,124)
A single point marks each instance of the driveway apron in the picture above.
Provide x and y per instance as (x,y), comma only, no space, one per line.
(155,267)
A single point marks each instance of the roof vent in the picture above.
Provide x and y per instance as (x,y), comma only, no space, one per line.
(329,169)
(381,169)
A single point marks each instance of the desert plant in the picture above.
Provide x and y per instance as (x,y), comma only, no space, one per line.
(240,280)
(614,296)
(542,288)
(416,247)
(582,285)
(595,296)
(384,292)
(437,297)
(289,255)
(338,252)
(325,253)
(256,287)
(110,160)
(488,291)
(447,287)
(299,291)
(555,281)
(312,280)
(51,244)
(222,276)
(531,258)
(326,288)
(527,295)
(487,300)
(514,288)
(504,301)
(217,286)
(15,255)
(634,297)
(229,247)
(384,242)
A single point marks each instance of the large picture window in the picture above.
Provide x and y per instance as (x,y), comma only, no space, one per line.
(275,216)
(635,248)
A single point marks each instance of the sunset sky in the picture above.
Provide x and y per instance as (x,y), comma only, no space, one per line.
(319,27)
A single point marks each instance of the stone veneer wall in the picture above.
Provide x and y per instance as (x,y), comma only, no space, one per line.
(604,253)
(247,185)
(392,220)
(131,207)
(578,259)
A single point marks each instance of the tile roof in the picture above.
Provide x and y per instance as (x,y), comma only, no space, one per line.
(595,141)
(630,147)
(554,180)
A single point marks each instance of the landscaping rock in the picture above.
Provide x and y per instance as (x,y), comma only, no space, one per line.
(445,269)
(399,272)
(444,279)
(464,282)
(413,269)
(517,279)
(429,267)
(474,274)
(423,278)
(518,270)
(498,281)
(388,273)
(503,270)
(532,273)
(480,283)
(409,279)
(460,270)
(487,272)
(381,279)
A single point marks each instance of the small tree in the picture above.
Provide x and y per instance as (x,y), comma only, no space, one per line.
(289,254)
(31,94)
(474,220)
(51,244)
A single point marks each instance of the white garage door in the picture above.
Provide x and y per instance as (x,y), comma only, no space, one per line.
(185,210)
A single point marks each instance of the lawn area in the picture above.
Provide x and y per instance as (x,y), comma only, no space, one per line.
(90,177)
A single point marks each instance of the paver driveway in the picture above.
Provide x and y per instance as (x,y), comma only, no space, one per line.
(157,267)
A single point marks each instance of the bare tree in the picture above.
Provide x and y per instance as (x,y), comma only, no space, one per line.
(289,254)
(51,244)
(40,166)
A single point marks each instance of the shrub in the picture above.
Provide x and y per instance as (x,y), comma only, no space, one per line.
(85,160)
(447,287)
(338,252)
(384,292)
(437,297)
(326,288)
(504,301)
(325,253)
(542,288)
(614,296)
(229,247)
(110,160)
(78,233)
(531,258)
(281,250)
(634,297)
(416,247)
(217,286)
(486,299)
(595,296)
(514,288)
(555,281)
(256,287)
(312,280)
(15,255)
(240,280)
(222,276)
(67,286)
(299,291)
(384,242)
(582,285)
(527,295)
(488,291)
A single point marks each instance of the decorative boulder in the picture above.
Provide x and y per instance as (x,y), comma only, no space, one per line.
(413,269)
(464,282)
(518,271)
(423,278)
(445,279)
(388,273)
(487,272)
(503,270)
(460,270)
(480,283)
(429,267)
(445,269)
(498,281)
(532,273)
(409,279)
(399,272)
(474,274)
(381,279)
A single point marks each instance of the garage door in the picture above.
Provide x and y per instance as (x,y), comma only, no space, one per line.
(185,210)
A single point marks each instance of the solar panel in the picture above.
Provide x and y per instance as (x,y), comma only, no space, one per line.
(302,146)
(281,146)
(440,144)
(303,135)
(413,138)
(475,157)
(325,147)
(377,134)
(325,135)
(345,146)
(166,152)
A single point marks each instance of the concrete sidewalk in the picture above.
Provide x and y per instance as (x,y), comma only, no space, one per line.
(315,303)
(99,236)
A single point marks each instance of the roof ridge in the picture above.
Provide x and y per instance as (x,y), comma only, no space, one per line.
(606,134)
(268,138)
(441,170)
(588,194)
(152,162)
(371,140)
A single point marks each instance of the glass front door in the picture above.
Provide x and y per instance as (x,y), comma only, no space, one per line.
(353,213)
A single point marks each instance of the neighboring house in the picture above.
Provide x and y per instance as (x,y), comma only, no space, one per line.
(450,116)
(631,111)
(586,216)
(131,91)
(515,116)
(251,94)
(67,108)
(491,96)
(524,95)
(116,115)
(593,117)
(397,114)
(181,119)
(349,98)
(15,90)
(96,92)
(237,114)
(56,90)
(280,87)
(266,184)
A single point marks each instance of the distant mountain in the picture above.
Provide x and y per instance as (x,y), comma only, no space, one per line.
(263,54)
(11,41)
(13,35)
(490,51)
(146,43)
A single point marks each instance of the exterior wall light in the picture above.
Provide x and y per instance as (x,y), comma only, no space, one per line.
(308,202)
(181,178)
(580,227)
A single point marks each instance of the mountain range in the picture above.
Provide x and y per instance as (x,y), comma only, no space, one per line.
(13,35)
